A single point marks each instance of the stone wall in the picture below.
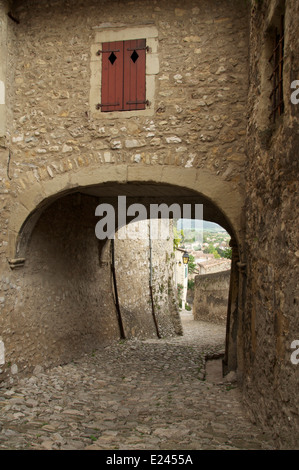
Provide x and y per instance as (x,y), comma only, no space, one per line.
(62,302)
(140,264)
(59,304)
(271,305)
(199,117)
(194,136)
(55,142)
(3,67)
(199,106)
(211,297)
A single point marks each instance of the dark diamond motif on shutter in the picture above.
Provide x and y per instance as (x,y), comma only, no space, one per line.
(112,58)
(134,56)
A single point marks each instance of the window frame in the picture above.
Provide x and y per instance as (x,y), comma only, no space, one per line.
(113,33)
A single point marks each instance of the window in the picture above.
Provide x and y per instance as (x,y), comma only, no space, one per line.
(124,67)
(123,75)
(276,78)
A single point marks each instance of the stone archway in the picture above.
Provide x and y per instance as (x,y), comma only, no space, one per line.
(30,202)
(52,236)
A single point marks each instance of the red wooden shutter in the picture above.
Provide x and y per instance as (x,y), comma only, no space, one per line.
(134,74)
(112,76)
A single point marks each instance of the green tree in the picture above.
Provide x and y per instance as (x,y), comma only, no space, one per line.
(225,252)
(178,237)
(191,264)
(212,250)
(180,293)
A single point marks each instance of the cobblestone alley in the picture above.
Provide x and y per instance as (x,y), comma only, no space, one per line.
(152,394)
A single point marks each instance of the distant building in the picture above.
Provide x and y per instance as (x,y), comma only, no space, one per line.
(181,274)
(213,265)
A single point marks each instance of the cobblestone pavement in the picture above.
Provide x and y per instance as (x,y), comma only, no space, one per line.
(151,394)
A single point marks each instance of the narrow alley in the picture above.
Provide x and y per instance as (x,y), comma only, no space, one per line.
(142,395)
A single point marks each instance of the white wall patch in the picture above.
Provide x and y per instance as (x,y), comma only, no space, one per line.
(2,92)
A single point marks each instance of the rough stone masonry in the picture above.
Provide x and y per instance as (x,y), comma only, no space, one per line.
(57,144)
(204,136)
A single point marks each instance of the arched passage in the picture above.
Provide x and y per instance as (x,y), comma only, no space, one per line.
(66,278)
(221,197)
